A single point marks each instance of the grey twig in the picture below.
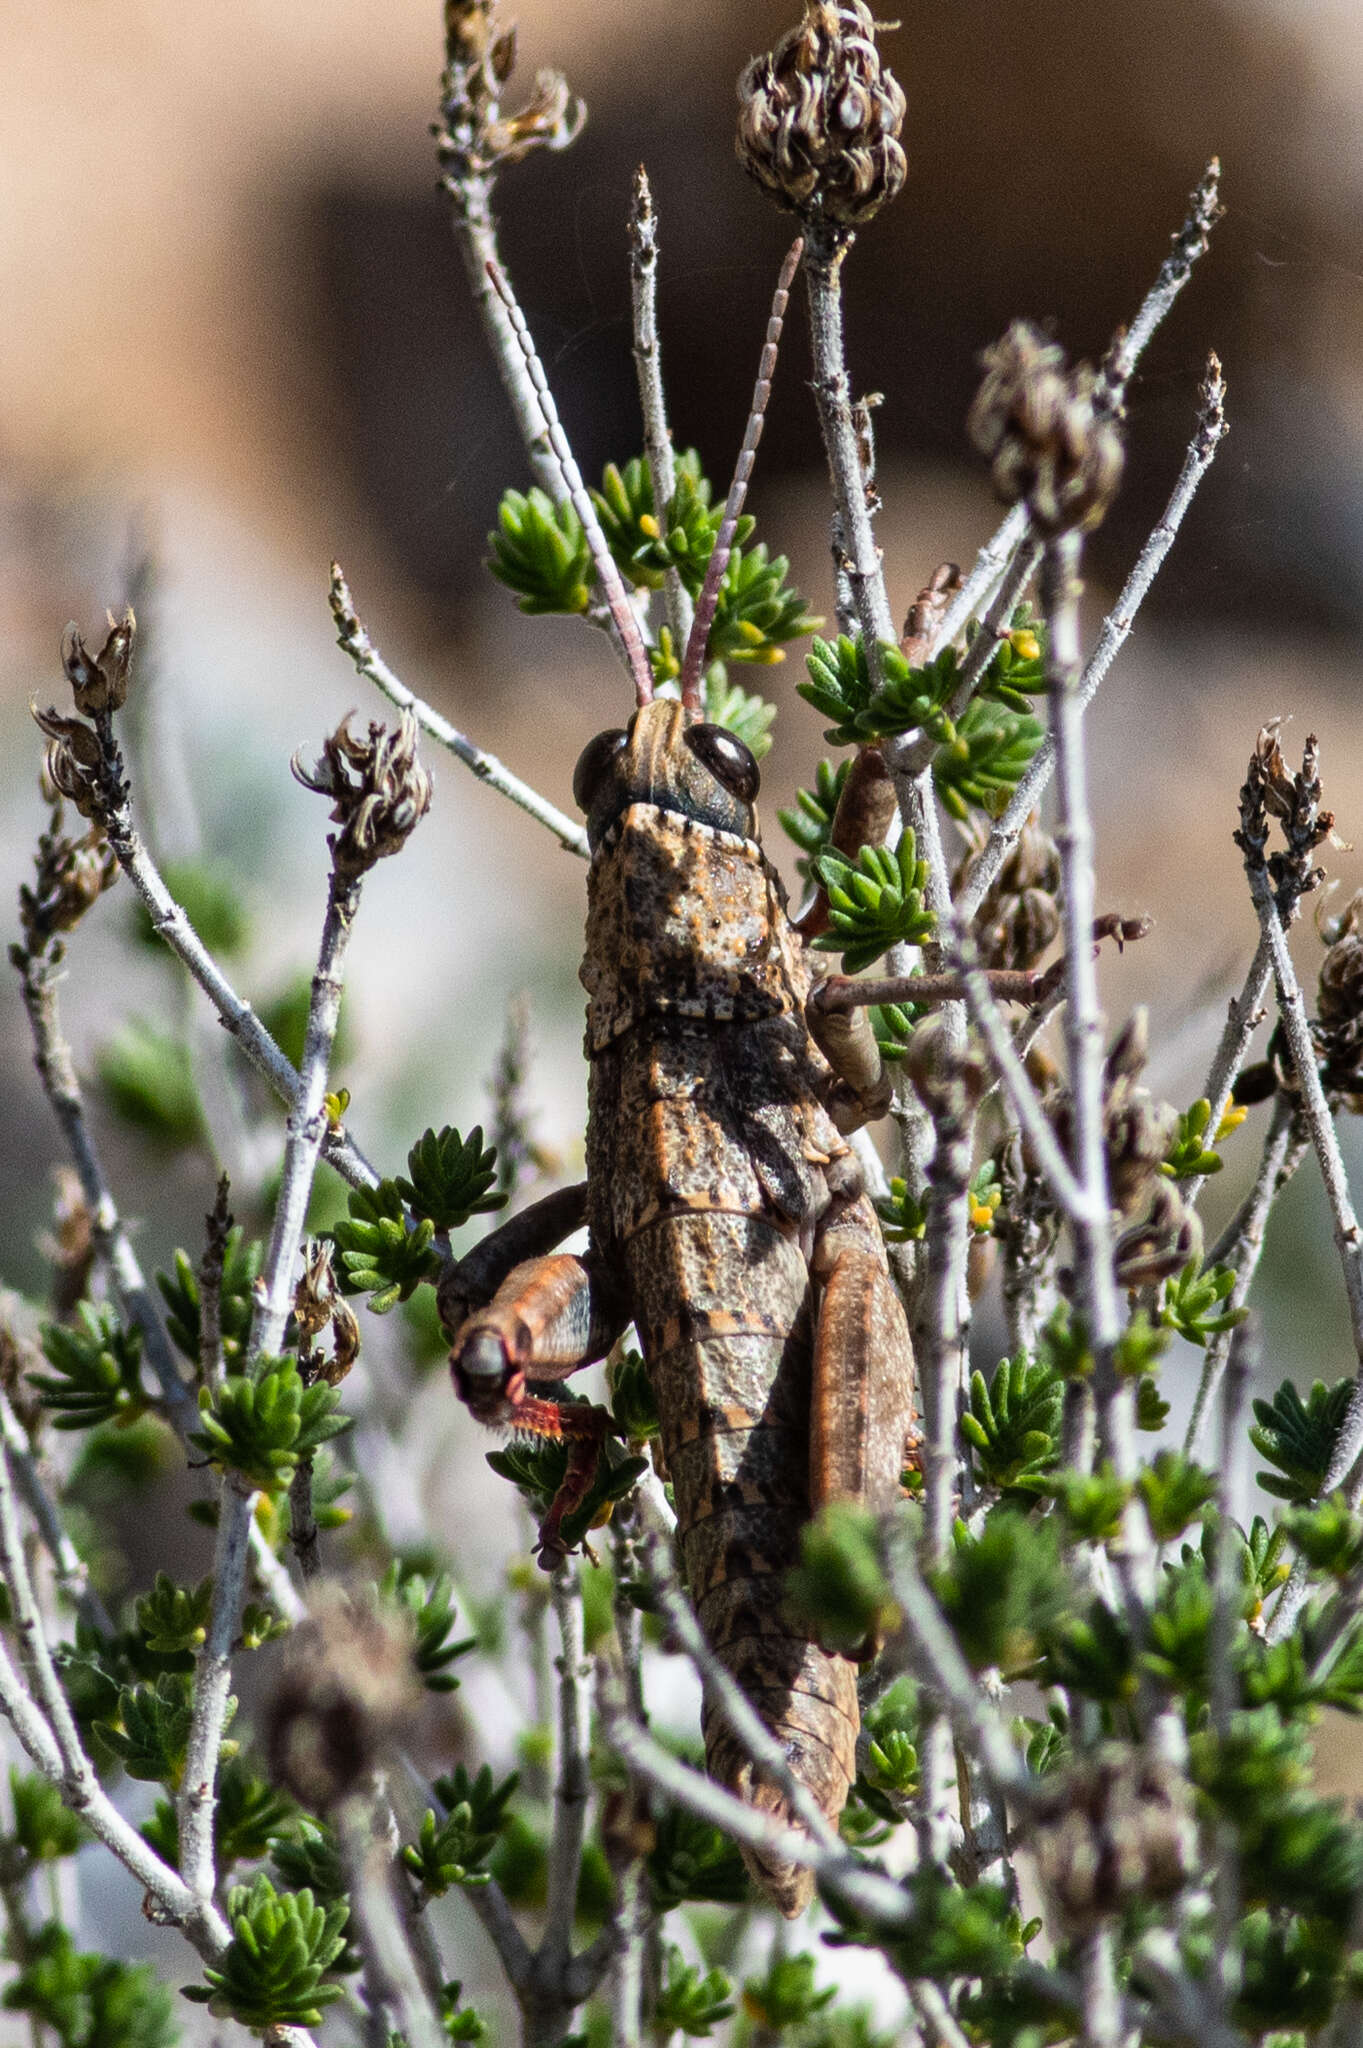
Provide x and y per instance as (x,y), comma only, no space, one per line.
(1191,241)
(1101,2001)
(658,452)
(1240,1244)
(573,1787)
(1211,430)
(391,1977)
(1243,1016)
(355,641)
(197,1802)
(49,1736)
(72,1572)
(219,1225)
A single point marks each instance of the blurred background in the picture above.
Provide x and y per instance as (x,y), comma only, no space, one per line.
(236,342)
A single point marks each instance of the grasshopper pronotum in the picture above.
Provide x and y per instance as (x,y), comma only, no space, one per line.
(725,1209)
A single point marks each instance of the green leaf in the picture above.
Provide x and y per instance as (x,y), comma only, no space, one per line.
(175,1617)
(538,1466)
(689,2002)
(810,822)
(96,1370)
(273,1972)
(90,2001)
(262,1422)
(380,1256)
(909,699)
(747,716)
(1298,1437)
(1003,1590)
(147,1078)
(452,1178)
(151,1732)
(874,902)
(1187,1155)
(903,1217)
(44,1829)
(691,1860)
(985,759)
(180,1292)
(1091,1504)
(1013,1424)
(1175,1492)
(429,1606)
(787,1996)
(1152,1410)
(839,1587)
(540,551)
(1329,1536)
(1192,1301)
(632,1399)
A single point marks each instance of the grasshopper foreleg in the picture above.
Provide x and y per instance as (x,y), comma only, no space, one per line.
(549,1316)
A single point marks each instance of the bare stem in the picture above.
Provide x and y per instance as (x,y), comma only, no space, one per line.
(72,1572)
(355,641)
(1191,242)
(1211,430)
(197,1801)
(391,1974)
(662,469)
(1241,1244)
(573,1788)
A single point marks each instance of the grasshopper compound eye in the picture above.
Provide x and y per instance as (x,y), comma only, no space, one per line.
(593,762)
(728,760)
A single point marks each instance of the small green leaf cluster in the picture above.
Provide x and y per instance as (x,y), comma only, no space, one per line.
(539,1465)
(811,820)
(1192,1301)
(308,1858)
(1189,1155)
(149,1733)
(903,1217)
(691,1860)
(632,1399)
(1002,1591)
(1297,1851)
(89,2001)
(690,2001)
(452,1177)
(986,758)
(540,551)
(748,717)
(787,1995)
(874,901)
(273,1974)
(1298,1438)
(96,1374)
(174,1618)
(147,1077)
(908,700)
(1175,1492)
(454,1850)
(261,1423)
(888,1778)
(1013,1424)
(429,1607)
(840,1585)
(380,1255)
(241,1265)
(44,1829)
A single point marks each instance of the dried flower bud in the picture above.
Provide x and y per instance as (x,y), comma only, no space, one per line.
(100,683)
(1137,1130)
(1272,790)
(69,1247)
(1037,423)
(820,115)
(347,1689)
(70,875)
(1338,1025)
(72,761)
(380,790)
(1020,913)
(1115,1831)
(317,1307)
(1161,1244)
(949,1082)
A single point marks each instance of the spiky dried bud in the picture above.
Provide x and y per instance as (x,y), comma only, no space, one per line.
(347,1689)
(380,791)
(1115,1831)
(1272,790)
(820,115)
(100,682)
(474,138)
(1046,440)
(1338,1025)
(72,761)
(70,875)
(1020,914)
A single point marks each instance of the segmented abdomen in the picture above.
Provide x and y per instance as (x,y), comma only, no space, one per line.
(688,1185)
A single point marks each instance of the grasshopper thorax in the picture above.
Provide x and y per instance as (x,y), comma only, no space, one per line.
(669,757)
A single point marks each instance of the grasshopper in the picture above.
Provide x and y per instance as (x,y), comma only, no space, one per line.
(726,1212)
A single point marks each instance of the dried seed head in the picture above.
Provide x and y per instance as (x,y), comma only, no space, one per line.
(1020,914)
(474,137)
(1115,1831)
(70,875)
(1048,444)
(380,790)
(820,115)
(1338,1025)
(1161,1244)
(1272,790)
(347,1689)
(318,1306)
(71,764)
(100,683)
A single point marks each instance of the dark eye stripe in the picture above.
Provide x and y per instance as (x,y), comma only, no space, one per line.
(593,762)
(727,759)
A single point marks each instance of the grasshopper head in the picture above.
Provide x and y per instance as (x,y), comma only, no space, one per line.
(668,756)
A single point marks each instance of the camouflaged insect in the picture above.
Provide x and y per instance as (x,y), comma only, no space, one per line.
(727,1220)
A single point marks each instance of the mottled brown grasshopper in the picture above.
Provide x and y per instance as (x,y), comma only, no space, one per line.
(726,1212)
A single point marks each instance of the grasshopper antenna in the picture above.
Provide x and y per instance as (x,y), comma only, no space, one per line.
(708,600)
(607,575)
